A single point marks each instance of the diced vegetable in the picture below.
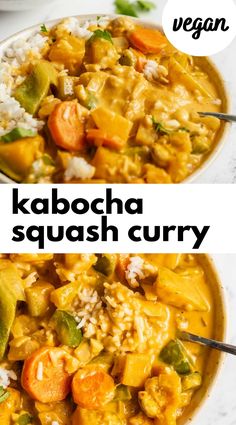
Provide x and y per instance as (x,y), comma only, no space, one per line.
(66,328)
(137,368)
(92,387)
(63,297)
(66,86)
(66,125)
(10,292)
(200,145)
(105,264)
(102,52)
(104,360)
(122,393)
(175,354)
(9,406)
(4,394)
(179,290)
(99,137)
(111,123)
(148,40)
(16,134)
(140,419)
(68,51)
(46,374)
(25,419)
(192,381)
(36,86)
(38,298)
(16,158)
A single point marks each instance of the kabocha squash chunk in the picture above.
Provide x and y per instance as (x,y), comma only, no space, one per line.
(112,124)
(17,157)
(68,51)
(137,368)
(179,291)
(11,405)
(102,52)
(38,298)
(36,86)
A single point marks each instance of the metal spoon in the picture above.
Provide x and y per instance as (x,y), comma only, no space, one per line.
(221,346)
(221,116)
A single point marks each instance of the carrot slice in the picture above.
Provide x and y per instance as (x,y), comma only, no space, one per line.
(99,137)
(148,40)
(66,126)
(92,387)
(44,376)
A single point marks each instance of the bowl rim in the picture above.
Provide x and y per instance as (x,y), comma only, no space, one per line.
(216,375)
(149,23)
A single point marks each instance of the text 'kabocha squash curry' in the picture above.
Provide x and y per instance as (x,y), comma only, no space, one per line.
(104,101)
(91,339)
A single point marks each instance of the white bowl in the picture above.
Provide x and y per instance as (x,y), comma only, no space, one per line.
(206,62)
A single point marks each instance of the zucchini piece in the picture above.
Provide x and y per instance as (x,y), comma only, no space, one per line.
(7,316)
(66,328)
(16,134)
(175,354)
(192,381)
(105,360)
(105,264)
(122,393)
(36,86)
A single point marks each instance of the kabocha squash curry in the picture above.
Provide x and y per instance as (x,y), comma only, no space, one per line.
(105,101)
(92,339)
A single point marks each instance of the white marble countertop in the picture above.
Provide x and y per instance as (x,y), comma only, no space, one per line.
(223,169)
(220,409)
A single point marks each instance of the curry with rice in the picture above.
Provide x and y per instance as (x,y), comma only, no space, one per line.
(106,101)
(92,339)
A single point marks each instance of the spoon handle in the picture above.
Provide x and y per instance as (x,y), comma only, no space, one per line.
(220,115)
(221,346)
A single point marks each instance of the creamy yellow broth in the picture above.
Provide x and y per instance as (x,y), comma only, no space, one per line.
(112,315)
(112,109)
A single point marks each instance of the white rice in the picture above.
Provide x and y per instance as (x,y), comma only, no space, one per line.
(134,271)
(12,115)
(153,71)
(6,376)
(79,168)
(74,27)
(40,371)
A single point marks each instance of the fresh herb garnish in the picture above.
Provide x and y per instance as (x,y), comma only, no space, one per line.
(146,6)
(126,7)
(43,28)
(4,394)
(184,129)
(106,35)
(25,419)
(159,128)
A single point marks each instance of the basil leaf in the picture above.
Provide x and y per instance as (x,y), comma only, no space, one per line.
(124,7)
(159,128)
(43,28)
(146,6)
(106,35)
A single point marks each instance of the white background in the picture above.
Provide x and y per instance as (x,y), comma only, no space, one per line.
(223,170)
(220,409)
